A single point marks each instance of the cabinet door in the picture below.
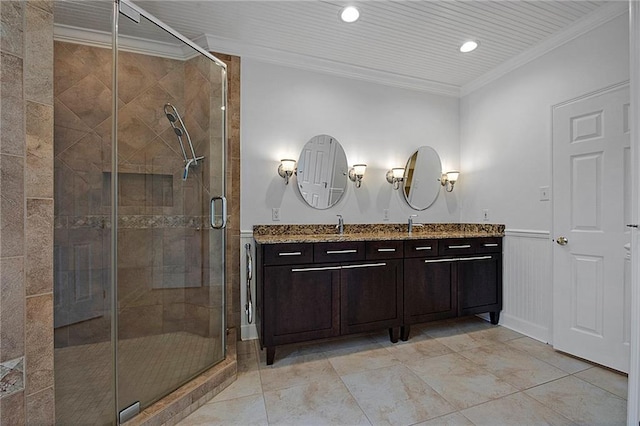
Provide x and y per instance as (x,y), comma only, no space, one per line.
(371,296)
(301,303)
(429,290)
(480,284)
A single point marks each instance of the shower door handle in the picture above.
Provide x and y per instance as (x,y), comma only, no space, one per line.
(212,211)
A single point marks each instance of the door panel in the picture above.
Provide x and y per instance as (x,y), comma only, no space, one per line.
(591,174)
(170,263)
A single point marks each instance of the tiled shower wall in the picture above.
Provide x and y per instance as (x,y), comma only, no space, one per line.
(26,212)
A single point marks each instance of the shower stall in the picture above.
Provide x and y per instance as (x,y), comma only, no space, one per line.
(140,212)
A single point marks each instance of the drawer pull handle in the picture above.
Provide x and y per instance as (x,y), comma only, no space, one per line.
(439,260)
(474,258)
(463,246)
(322,268)
(364,265)
(392,250)
(342,251)
(291,253)
(491,244)
(423,248)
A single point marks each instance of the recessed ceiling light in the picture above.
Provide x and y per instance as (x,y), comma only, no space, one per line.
(469,46)
(349,14)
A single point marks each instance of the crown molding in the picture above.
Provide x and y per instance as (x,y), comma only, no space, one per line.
(601,16)
(69,34)
(294,60)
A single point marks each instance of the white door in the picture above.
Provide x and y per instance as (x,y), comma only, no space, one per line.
(314,172)
(591,202)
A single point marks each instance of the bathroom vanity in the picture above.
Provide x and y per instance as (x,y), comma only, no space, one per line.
(312,285)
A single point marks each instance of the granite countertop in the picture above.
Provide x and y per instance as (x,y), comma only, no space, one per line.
(280,234)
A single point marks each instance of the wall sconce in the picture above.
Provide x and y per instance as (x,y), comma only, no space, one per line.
(395,176)
(449,179)
(286,169)
(356,173)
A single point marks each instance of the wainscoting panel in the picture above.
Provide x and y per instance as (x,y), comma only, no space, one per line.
(528,283)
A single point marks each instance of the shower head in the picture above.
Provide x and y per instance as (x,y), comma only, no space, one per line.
(171,112)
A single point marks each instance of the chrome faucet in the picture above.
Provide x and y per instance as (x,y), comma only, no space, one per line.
(410,223)
(340,225)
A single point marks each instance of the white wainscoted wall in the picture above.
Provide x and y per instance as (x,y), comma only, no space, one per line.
(527,283)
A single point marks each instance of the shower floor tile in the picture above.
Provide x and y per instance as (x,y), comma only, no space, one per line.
(149,366)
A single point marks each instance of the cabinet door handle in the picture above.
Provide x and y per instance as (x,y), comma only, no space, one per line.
(440,260)
(381,250)
(321,268)
(463,246)
(423,248)
(291,253)
(342,251)
(490,244)
(474,258)
(364,265)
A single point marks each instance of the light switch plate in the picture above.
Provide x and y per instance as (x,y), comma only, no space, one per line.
(545,193)
(385,214)
(485,215)
(275,214)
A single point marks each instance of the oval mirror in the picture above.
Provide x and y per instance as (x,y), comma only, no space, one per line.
(322,172)
(421,184)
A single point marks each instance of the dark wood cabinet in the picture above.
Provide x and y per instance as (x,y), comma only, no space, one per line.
(480,286)
(430,291)
(371,296)
(464,278)
(339,293)
(309,291)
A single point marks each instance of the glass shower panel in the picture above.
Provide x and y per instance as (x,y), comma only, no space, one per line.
(170,262)
(84,368)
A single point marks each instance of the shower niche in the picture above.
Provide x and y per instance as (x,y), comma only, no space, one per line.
(138,268)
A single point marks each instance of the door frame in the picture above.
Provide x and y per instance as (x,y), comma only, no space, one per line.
(633,396)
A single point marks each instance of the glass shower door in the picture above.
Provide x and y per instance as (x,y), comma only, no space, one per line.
(170,260)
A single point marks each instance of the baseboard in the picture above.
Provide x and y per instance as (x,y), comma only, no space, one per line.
(248,332)
(529,329)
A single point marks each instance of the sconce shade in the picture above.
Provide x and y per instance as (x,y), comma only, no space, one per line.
(286,169)
(288,165)
(395,176)
(356,173)
(359,169)
(449,179)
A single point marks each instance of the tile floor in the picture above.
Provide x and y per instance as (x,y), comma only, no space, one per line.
(462,372)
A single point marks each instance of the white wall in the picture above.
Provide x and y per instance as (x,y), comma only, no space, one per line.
(506,157)
(282,108)
(506,126)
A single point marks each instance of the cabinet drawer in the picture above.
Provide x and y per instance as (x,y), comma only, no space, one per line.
(457,246)
(420,248)
(384,250)
(338,252)
(288,254)
(489,245)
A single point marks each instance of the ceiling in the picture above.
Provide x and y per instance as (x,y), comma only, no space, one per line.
(414,43)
